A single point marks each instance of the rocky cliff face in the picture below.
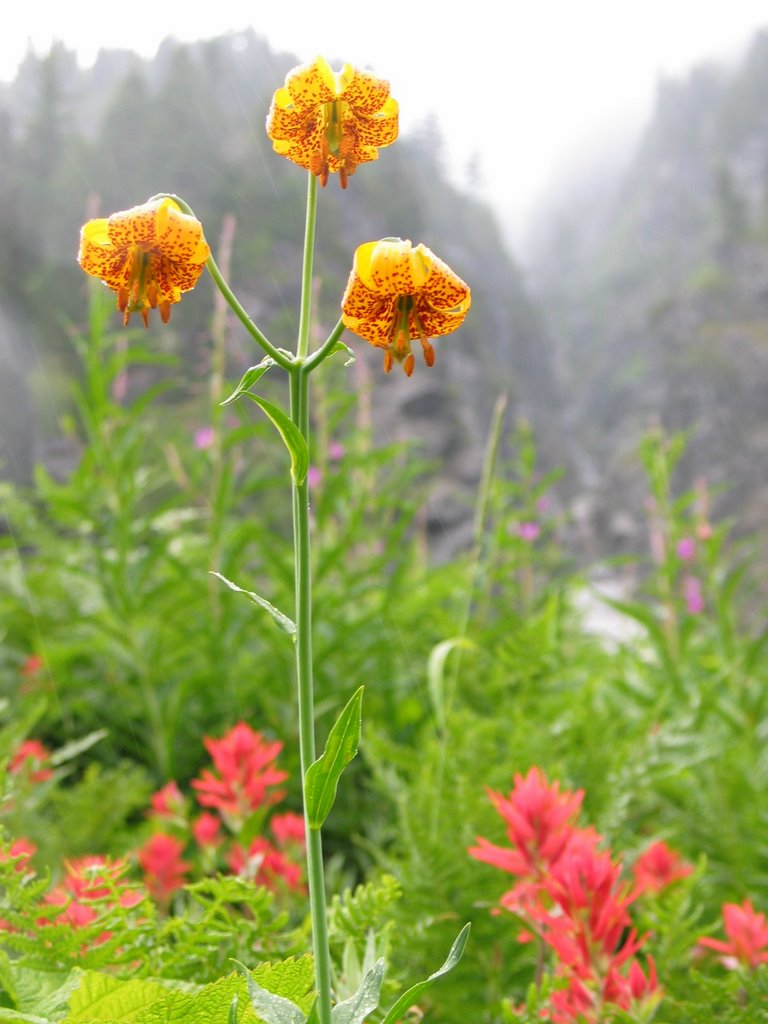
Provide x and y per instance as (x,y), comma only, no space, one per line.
(656,292)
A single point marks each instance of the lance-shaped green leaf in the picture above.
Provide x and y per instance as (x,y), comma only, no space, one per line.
(323,775)
(287,625)
(414,993)
(355,1009)
(291,435)
(436,673)
(251,375)
(76,747)
(271,1008)
(232,1017)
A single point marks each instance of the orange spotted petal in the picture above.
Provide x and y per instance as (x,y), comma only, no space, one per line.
(366,94)
(98,257)
(393,267)
(378,131)
(444,301)
(309,85)
(367,314)
(179,237)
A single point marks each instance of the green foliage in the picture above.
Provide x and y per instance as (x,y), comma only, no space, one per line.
(368,908)
(661,732)
(218,918)
(87,996)
(732,998)
(341,747)
(518,682)
(111,568)
(416,991)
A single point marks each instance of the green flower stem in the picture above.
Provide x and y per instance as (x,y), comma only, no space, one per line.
(306,269)
(326,348)
(299,372)
(299,368)
(303,618)
(281,358)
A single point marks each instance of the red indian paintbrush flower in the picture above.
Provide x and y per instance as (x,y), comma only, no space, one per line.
(658,867)
(288,829)
(167,802)
(31,756)
(247,775)
(21,851)
(540,822)
(206,830)
(164,870)
(266,865)
(570,894)
(747,932)
(91,886)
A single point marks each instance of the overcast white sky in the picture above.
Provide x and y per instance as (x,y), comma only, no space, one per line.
(518,84)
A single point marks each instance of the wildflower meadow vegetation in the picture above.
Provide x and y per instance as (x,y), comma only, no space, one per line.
(265,759)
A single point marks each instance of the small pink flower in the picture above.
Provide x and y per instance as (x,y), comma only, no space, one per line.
(686,549)
(694,599)
(167,802)
(164,870)
(544,504)
(529,532)
(204,438)
(314,476)
(335,451)
(747,932)
(658,867)
(90,885)
(33,664)
(120,386)
(288,828)
(207,830)
(23,849)
(266,865)
(37,755)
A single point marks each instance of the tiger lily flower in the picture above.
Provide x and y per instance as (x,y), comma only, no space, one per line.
(329,122)
(397,293)
(149,255)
